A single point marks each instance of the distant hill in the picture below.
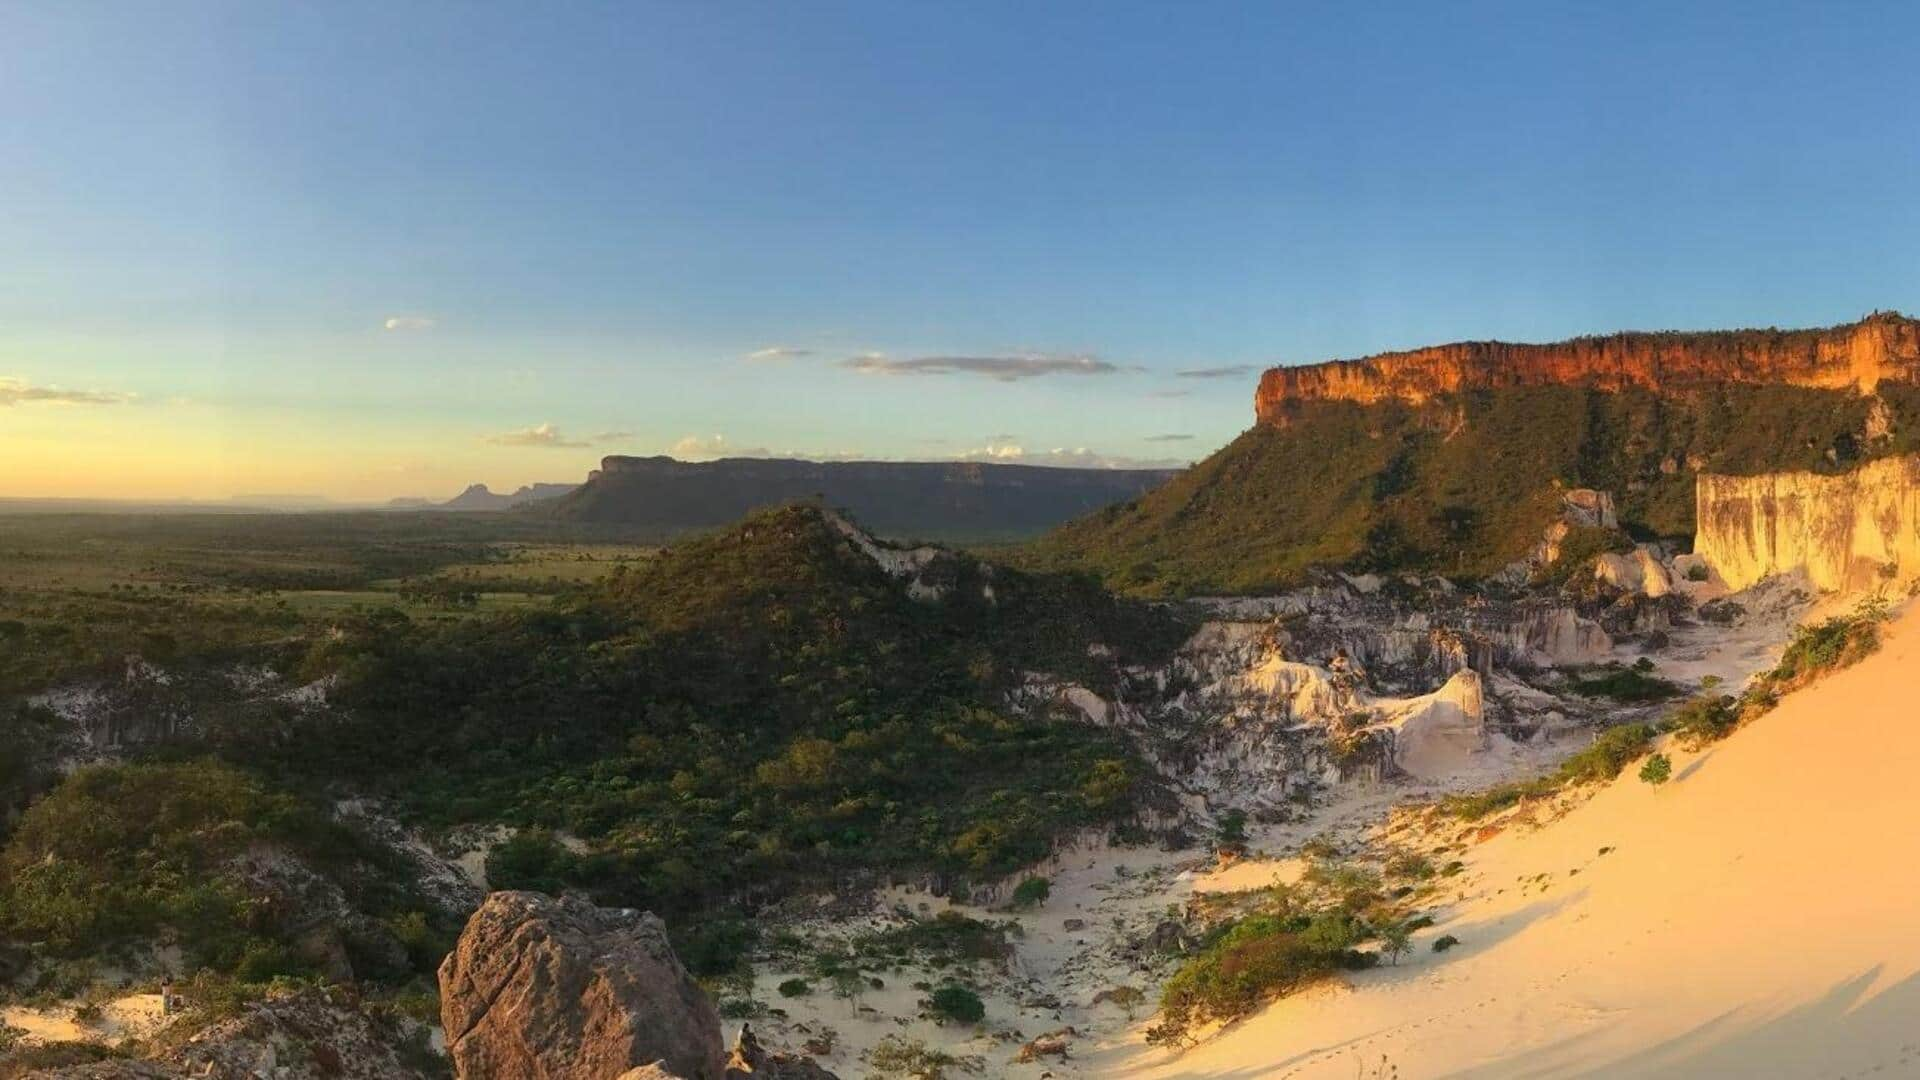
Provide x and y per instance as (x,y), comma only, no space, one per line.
(922,500)
(481,497)
(1452,459)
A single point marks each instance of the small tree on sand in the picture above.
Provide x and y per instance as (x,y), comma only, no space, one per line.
(1658,770)
(1396,940)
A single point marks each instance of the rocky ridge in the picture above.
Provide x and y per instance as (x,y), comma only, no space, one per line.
(1857,356)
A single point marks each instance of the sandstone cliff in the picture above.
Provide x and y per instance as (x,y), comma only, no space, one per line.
(1857,356)
(1852,531)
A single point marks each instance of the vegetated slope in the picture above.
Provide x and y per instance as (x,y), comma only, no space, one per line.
(1461,484)
(949,501)
(1752,916)
(748,713)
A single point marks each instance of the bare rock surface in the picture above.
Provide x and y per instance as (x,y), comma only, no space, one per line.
(557,989)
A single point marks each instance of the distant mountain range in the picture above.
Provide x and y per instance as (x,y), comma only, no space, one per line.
(481,497)
(954,501)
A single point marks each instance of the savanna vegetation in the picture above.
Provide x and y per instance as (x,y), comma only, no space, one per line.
(1462,485)
(743,714)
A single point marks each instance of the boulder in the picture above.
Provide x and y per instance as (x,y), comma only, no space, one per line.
(752,1061)
(541,988)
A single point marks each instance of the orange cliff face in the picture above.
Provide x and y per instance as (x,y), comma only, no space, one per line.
(1858,356)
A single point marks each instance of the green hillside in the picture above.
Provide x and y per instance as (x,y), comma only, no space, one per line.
(1461,485)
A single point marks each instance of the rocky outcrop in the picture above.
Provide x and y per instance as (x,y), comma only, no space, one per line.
(1857,356)
(546,988)
(1436,735)
(306,1035)
(1848,532)
(558,989)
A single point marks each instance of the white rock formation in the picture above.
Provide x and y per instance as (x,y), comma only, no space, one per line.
(1848,532)
(1435,735)
(1637,571)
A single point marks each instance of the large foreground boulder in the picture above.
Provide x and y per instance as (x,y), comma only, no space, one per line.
(541,988)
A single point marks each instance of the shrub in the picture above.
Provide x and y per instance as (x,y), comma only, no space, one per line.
(912,1057)
(1657,770)
(1480,804)
(1230,829)
(957,1003)
(1698,572)
(1032,892)
(1444,942)
(794,988)
(1838,642)
(1703,720)
(1625,684)
(1611,752)
(1258,958)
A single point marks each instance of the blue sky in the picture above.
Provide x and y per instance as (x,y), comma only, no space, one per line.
(583,220)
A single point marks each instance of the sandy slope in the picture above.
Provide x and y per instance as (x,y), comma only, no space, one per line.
(1757,917)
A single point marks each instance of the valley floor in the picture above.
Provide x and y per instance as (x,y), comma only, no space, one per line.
(1753,917)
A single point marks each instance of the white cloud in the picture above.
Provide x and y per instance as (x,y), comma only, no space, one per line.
(1061,457)
(411,322)
(777,353)
(999,368)
(545,435)
(710,447)
(20,392)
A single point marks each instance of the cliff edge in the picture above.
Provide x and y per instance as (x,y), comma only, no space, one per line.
(1884,346)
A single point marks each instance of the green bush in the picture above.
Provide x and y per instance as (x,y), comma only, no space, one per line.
(1032,892)
(124,853)
(1838,642)
(1612,751)
(1631,685)
(1444,942)
(1259,958)
(1703,720)
(793,988)
(957,1003)
(1658,770)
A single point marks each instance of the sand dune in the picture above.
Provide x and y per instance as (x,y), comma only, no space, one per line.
(1759,916)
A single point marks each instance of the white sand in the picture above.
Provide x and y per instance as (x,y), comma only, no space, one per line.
(1759,916)
(131,1015)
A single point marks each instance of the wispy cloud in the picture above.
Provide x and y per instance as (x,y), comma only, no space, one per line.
(1231,371)
(1062,457)
(1169,438)
(999,368)
(613,436)
(543,435)
(1170,393)
(710,447)
(411,322)
(778,353)
(21,392)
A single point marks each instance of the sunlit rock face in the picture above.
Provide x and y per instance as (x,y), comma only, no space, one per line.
(1858,356)
(1846,533)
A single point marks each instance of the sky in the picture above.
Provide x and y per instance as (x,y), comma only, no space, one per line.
(376,250)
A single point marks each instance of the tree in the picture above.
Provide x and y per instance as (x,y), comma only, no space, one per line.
(1396,939)
(1032,892)
(957,1003)
(849,984)
(1657,770)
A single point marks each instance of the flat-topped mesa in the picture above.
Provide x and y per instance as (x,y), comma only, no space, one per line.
(1884,346)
